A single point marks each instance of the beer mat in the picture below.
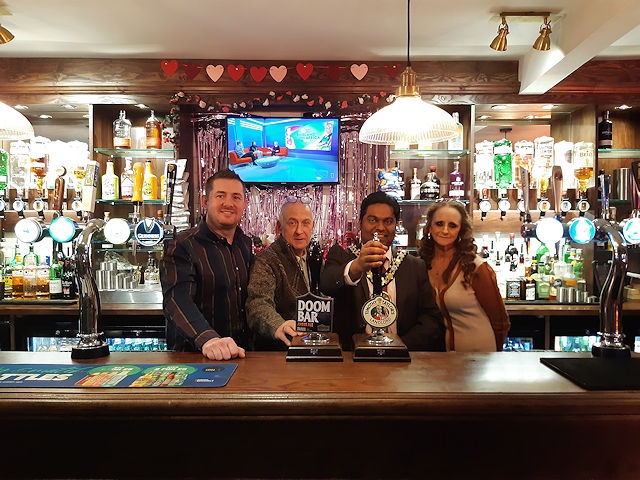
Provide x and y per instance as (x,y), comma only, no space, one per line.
(598,373)
(116,375)
(37,302)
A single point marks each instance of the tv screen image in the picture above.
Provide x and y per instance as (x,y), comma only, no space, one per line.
(288,149)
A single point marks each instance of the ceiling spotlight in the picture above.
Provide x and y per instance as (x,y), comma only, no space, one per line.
(5,35)
(543,42)
(500,42)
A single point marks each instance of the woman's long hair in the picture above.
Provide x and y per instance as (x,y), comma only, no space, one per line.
(465,246)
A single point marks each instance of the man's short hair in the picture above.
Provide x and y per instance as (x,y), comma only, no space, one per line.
(225,173)
(379,197)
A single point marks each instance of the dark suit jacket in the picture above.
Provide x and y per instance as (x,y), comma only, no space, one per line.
(420,324)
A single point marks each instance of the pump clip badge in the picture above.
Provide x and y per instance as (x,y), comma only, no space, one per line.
(148,232)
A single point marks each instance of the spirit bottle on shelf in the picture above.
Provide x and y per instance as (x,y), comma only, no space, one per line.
(55,272)
(456,182)
(502,163)
(43,279)
(153,132)
(110,183)
(457,142)
(31,262)
(401,239)
(430,189)
(138,181)
(583,159)
(17,274)
(415,185)
(122,131)
(149,183)
(126,180)
(605,131)
(542,163)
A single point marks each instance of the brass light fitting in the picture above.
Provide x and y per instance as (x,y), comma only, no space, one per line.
(542,43)
(5,35)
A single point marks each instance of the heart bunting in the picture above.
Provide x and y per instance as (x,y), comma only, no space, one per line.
(235,71)
(191,70)
(359,71)
(334,72)
(304,70)
(258,73)
(169,67)
(278,73)
(215,72)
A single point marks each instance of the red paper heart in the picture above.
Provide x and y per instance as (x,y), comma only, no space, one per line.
(393,69)
(235,71)
(258,73)
(304,70)
(375,99)
(169,67)
(383,94)
(279,97)
(225,109)
(334,72)
(320,100)
(343,104)
(311,102)
(191,70)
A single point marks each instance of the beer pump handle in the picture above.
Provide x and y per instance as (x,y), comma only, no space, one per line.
(90,187)
(171,186)
(59,190)
(376,273)
(525,179)
(556,174)
(635,188)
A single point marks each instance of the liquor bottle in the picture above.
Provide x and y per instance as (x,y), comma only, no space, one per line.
(42,278)
(55,272)
(6,278)
(138,181)
(415,186)
(456,182)
(502,163)
(122,131)
(126,180)
(153,132)
(420,228)
(17,274)
(483,166)
(68,280)
(605,131)
(429,190)
(110,183)
(31,262)
(401,239)
(149,183)
(400,175)
(511,253)
(522,157)
(457,142)
(4,172)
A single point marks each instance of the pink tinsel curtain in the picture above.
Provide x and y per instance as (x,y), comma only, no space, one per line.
(333,205)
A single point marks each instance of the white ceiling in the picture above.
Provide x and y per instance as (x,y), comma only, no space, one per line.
(327,30)
(340,30)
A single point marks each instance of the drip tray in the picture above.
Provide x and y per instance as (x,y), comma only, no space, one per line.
(131,296)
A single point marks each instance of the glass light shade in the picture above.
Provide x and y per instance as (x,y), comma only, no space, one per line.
(14,125)
(5,35)
(549,231)
(408,120)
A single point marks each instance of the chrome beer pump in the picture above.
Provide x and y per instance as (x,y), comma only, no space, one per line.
(611,343)
(91,344)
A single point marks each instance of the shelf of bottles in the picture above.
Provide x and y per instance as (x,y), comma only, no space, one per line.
(138,153)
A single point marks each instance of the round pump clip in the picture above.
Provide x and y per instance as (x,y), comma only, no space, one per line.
(582,230)
(117,231)
(63,229)
(549,230)
(148,232)
(29,230)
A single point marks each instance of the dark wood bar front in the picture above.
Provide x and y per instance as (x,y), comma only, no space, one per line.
(443,415)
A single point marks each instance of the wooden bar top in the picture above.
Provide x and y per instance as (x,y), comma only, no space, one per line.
(452,415)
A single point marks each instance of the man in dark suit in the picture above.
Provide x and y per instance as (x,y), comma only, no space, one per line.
(346,276)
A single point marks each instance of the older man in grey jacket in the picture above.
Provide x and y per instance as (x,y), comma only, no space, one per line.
(280,274)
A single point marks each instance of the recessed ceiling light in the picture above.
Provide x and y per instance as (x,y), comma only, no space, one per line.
(21,107)
(624,107)
(44,115)
(548,107)
(498,107)
(529,117)
(484,117)
(69,107)
(141,105)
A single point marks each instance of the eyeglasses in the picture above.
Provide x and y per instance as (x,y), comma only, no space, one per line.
(306,199)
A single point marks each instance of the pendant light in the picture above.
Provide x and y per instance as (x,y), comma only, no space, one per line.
(409,119)
(5,35)
(14,125)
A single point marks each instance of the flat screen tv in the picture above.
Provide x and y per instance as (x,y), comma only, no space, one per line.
(308,149)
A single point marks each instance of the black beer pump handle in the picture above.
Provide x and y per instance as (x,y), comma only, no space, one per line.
(376,273)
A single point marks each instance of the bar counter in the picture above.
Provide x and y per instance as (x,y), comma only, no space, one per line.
(443,415)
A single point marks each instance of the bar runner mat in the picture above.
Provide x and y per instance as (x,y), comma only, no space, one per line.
(598,373)
(116,375)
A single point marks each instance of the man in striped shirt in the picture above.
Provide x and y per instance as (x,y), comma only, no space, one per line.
(204,275)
